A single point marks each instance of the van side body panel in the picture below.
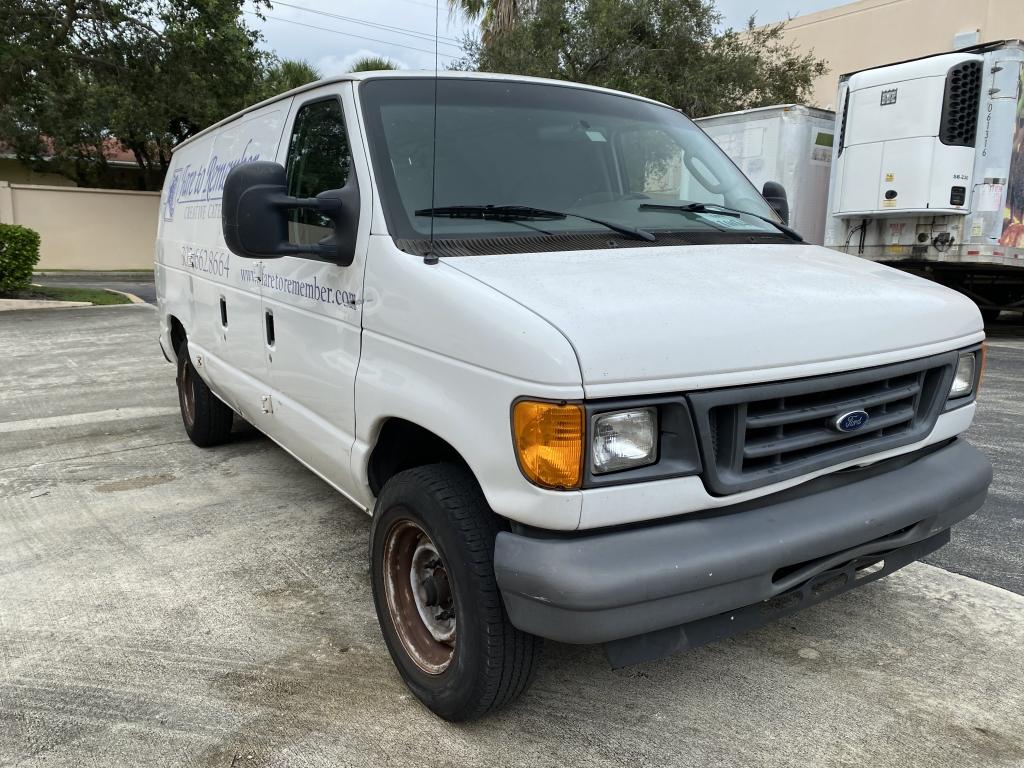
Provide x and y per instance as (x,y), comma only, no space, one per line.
(197,272)
(316,308)
(448,353)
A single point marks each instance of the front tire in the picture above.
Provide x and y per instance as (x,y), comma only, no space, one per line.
(432,571)
(206,418)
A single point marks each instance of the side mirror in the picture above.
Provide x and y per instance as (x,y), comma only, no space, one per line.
(775,195)
(254,215)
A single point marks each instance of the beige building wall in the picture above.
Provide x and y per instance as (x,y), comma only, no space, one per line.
(16,172)
(79,228)
(870,33)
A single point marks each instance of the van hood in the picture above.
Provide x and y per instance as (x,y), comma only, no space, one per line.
(659,319)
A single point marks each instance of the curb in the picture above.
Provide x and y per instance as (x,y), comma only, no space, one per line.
(130,296)
(15,305)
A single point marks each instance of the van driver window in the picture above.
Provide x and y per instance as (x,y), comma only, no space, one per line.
(318,160)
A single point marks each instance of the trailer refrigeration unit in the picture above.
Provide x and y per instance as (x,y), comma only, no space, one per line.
(790,144)
(928,173)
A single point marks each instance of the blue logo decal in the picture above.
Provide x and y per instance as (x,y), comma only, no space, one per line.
(172,194)
(196,183)
(851,421)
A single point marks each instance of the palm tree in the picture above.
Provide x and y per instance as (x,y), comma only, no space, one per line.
(372,63)
(496,16)
(287,74)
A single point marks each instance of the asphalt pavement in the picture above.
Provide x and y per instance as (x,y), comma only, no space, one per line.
(161,604)
(990,545)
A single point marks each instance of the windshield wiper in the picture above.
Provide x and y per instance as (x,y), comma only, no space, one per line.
(724,210)
(527,213)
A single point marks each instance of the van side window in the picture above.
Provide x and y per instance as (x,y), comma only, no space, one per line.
(318,160)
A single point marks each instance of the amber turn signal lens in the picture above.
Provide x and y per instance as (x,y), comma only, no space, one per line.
(549,442)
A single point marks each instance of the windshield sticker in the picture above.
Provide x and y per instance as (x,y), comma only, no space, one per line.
(727,222)
(596,136)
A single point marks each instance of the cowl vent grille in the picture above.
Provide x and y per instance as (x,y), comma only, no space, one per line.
(484,246)
(960,105)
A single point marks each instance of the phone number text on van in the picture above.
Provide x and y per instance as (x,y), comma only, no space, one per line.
(210,262)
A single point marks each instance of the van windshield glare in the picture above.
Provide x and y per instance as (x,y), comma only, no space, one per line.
(591,155)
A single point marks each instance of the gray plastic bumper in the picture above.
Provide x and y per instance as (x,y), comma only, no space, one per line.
(607,586)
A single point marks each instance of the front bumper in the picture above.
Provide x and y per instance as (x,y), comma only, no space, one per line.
(603,587)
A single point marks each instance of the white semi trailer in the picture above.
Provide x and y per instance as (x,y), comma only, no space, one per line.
(790,144)
(928,172)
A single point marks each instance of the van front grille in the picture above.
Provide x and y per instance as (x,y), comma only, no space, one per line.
(767,433)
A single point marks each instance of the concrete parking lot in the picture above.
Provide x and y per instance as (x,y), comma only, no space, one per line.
(163,605)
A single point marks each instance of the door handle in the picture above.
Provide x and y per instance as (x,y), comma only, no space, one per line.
(269,323)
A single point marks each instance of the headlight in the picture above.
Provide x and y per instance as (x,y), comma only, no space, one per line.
(624,439)
(570,446)
(963,379)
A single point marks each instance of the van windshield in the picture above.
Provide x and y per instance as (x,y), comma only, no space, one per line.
(608,163)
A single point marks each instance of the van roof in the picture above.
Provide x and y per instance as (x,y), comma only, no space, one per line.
(399,74)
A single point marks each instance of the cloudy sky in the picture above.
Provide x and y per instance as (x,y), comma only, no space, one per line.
(332,33)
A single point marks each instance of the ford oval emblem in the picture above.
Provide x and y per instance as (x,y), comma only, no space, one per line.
(850,421)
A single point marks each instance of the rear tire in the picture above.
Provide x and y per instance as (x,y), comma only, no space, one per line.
(206,418)
(432,571)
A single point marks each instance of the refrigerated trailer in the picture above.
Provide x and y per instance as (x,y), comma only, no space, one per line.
(790,144)
(928,173)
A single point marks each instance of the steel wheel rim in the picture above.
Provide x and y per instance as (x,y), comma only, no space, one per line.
(188,394)
(419,597)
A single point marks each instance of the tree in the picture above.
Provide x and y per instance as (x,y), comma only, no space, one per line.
(669,50)
(80,76)
(496,16)
(287,74)
(372,64)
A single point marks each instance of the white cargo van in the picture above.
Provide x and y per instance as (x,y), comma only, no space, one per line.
(578,403)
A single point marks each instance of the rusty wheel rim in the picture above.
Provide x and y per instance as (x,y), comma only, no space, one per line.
(419,597)
(186,386)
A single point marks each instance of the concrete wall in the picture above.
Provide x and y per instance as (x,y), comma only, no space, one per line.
(870,33)
(80,228)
